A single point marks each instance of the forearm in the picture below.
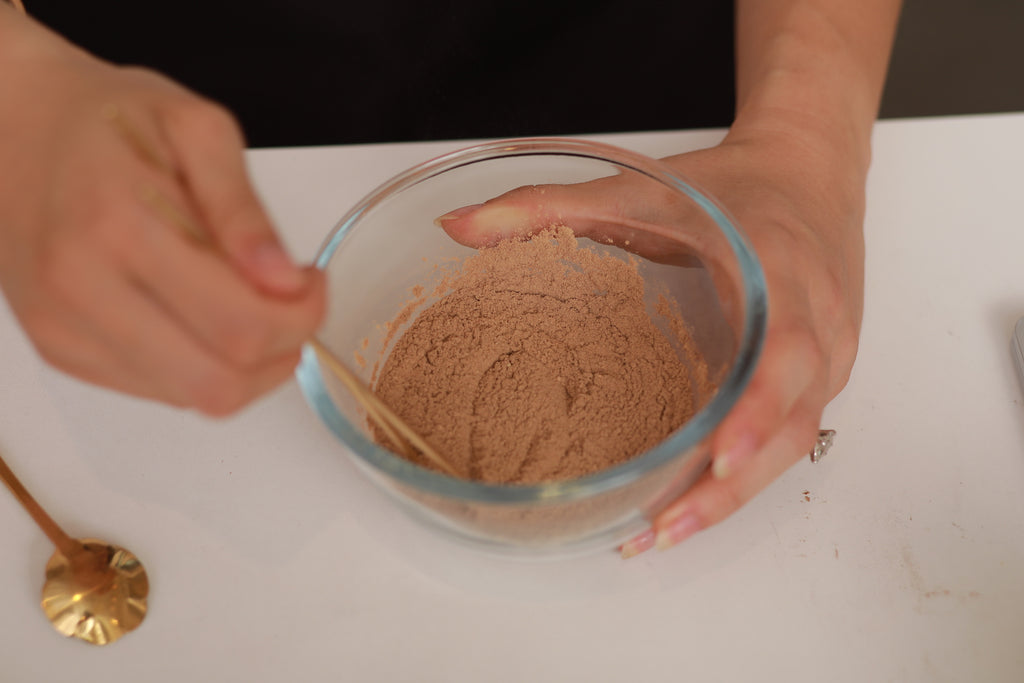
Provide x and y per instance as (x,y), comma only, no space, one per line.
(812,72)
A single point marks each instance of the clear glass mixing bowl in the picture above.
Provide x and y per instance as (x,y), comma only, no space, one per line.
(388,243)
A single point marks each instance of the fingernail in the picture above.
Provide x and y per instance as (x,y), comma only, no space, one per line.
(637,545)
(456,214)
(491,224)
(728,461)
(274,268)
(676,531)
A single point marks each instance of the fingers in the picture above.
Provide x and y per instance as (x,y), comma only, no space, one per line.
(152,345)
(193,281)
(773,424)
(178,321)
(67,341)
(209,151)
(239,324)
(105,287)
(792,367)
(712,498)
(148,343)
(88,320)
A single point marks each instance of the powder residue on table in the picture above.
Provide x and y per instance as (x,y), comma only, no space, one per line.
(540,362)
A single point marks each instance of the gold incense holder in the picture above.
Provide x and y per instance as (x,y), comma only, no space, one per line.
(93,591)
(96,596)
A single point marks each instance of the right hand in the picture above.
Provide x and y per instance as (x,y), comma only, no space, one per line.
(106,289)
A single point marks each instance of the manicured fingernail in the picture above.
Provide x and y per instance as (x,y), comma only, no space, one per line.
(637,545)
(676,531)
(456,214)
(728,461)
(492,223)
(274,268)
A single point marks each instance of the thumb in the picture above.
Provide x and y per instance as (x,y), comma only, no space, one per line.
(523,212)
(209,148)
(632,213)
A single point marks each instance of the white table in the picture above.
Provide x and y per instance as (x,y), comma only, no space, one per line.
(272,560)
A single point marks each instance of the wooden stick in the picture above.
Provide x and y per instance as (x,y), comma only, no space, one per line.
(386,418)
(396,430)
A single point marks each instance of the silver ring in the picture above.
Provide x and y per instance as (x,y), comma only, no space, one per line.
(826,437)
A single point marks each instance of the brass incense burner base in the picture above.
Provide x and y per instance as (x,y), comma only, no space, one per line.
(97,594)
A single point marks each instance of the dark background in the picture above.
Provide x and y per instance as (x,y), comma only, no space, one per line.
(300,72)
(491,75)
(957,57)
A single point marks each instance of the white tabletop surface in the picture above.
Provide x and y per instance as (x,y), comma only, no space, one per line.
(270,559)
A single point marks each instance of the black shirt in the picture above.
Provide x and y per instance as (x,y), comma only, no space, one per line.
(322,72)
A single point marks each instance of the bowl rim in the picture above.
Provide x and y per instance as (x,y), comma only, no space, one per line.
(683,440)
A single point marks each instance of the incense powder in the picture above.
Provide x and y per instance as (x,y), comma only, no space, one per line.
(538,363)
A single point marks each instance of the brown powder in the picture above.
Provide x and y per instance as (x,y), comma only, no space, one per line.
(539,363)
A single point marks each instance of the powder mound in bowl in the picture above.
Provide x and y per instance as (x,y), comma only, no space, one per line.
(538,363)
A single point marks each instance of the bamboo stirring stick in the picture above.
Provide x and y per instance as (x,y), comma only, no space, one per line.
(396,430)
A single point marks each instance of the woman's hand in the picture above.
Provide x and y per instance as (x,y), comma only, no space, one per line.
(792,170)
(803,213)
(105,287)
(804,220)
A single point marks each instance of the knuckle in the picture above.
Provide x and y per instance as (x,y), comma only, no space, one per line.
(728,498)
(119,236)
(802,343)
(529,200)
(141,73)
(206,120)
(527,193)
(218,392)
(805,433)
(56,269)
(844,353)
(830,292)
(245,342)
(103,225)
(314,311)
(46,333)
(778,247)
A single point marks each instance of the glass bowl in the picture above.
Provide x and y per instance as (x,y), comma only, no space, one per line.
(388,244)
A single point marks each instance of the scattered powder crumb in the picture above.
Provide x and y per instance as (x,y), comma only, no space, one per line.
(537,362)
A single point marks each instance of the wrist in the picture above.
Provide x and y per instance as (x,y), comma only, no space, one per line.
(826,153)
(810,73)
(820,130)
